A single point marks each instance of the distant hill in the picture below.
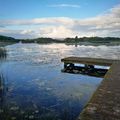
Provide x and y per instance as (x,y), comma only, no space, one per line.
(36,40)
(7,39)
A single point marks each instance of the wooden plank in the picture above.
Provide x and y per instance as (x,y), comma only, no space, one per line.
(105,103)
(89,61)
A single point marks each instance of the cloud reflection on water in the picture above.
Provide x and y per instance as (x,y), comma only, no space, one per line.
(35,80)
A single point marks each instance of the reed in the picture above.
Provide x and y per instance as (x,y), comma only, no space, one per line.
(3,53)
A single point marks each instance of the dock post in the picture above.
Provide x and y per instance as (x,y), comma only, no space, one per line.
(65,65)
(89,66)
(68,65)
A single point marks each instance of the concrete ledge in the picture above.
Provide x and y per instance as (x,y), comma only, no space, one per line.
(105,103)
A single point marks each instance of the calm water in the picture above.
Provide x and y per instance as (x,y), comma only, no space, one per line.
(33,87)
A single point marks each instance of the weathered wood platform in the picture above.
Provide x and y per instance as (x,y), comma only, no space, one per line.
(89,61)
(105,102)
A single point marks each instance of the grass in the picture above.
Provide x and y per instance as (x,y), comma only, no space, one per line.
(3,53)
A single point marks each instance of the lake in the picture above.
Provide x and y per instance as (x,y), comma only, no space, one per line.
(34,88)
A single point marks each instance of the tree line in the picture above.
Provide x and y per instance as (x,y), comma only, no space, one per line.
(66,40)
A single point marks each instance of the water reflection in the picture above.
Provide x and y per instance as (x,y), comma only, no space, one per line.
(1,89)
(90,70)
(3,56)
(36,88)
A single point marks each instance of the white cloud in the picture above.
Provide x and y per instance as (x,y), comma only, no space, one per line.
(38,21)
(107,24)
(65,5)
(55,32)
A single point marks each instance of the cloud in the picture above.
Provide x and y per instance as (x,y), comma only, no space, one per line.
(18,33)
(107,24)
(37,21)
(65,5)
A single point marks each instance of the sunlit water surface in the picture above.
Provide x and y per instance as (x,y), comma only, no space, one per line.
(33,86)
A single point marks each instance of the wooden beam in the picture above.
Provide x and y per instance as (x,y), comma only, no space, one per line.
(88,61)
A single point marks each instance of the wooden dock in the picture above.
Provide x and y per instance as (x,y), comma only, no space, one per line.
(88,61)
(105,102)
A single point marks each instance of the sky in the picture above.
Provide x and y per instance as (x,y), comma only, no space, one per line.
(59,18)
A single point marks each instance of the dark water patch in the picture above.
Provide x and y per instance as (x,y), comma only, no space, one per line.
(40,96)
